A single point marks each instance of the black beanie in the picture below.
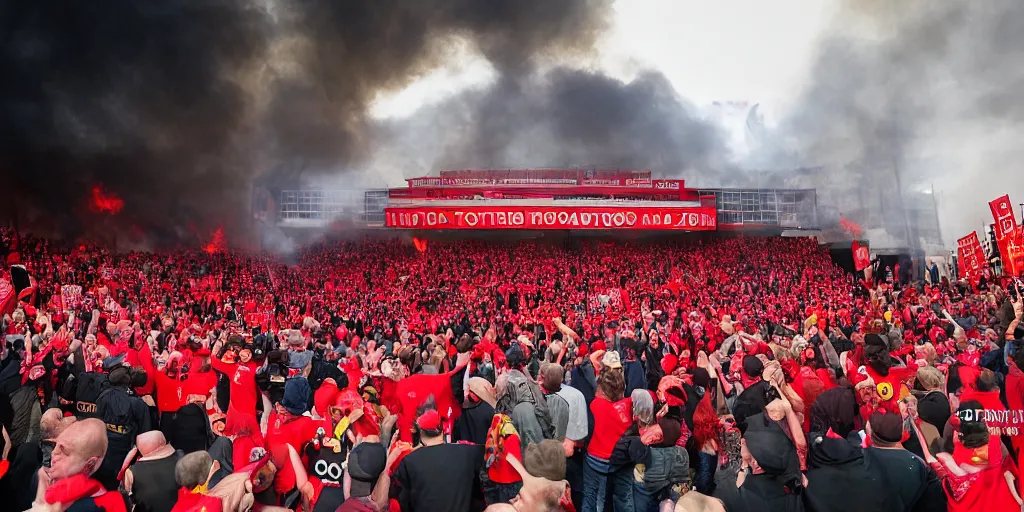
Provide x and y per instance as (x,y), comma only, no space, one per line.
(752,366)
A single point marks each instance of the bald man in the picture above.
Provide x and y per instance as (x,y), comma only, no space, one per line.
(34,455)
(68,481)
(150,479)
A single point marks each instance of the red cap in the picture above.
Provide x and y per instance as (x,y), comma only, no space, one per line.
(429,420)
(669,363)
(597,345)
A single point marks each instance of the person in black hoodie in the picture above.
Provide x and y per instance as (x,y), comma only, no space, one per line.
(769,478)
(125,415)
(477,412)
(911,485)
(838,477)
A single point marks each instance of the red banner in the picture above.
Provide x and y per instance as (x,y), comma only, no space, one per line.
(1011,246)
(861,256)
(1006,221)
(971,257)
(551,217)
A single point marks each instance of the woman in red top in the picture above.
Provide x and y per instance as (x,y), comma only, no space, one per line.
(290,425)
(613,414)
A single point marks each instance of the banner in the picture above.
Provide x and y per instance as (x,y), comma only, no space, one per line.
(1006,221)
(552,217)
(1008,235)
(970,256)
(861,256)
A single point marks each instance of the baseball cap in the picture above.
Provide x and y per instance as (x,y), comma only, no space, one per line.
(365,464)
(611,360)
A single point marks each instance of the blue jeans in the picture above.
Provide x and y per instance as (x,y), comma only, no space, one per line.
(598,477)
(644,500)
(707,464)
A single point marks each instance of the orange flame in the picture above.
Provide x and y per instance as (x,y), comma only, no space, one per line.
(217,243)
(105,202)
(850,227)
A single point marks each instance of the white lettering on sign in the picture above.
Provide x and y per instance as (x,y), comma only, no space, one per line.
(552,218)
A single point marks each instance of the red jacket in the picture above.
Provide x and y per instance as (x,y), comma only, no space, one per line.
(244,394)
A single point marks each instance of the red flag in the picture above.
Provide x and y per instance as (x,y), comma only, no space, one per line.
(1007,234)
(1006,221)
(861,256)
(971,257)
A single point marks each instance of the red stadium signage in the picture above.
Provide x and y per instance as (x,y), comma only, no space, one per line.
(552,217)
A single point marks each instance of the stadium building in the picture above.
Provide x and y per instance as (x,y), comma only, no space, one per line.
(542,200)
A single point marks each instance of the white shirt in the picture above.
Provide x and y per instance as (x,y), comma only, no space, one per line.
(576,430)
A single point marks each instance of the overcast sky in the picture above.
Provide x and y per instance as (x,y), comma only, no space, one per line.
(732,50)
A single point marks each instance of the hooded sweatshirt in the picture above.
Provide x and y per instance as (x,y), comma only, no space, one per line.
(838,475)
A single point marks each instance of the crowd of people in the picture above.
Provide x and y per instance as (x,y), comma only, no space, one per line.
(736,374)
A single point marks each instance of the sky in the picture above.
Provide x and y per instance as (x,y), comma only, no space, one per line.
(732,50)
(762,52)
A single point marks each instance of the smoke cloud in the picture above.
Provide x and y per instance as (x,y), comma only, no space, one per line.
(557,117)
(925,90)
(177,106)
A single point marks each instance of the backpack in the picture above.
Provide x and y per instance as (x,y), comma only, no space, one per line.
(668,466)
(521,389)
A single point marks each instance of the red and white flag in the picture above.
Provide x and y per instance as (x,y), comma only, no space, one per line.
(971,256)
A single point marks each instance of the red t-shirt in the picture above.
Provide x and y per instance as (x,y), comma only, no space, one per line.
(610,421)
(294,431)
(1015,400)
(244,394)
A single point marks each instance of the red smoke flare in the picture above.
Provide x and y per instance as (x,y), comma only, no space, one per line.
(105,202)
(217,243)
(420,244)
(850,227)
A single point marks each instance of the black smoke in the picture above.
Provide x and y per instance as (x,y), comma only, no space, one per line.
(560,117)
(178,106)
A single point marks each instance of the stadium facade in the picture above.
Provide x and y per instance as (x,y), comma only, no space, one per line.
(552,199)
